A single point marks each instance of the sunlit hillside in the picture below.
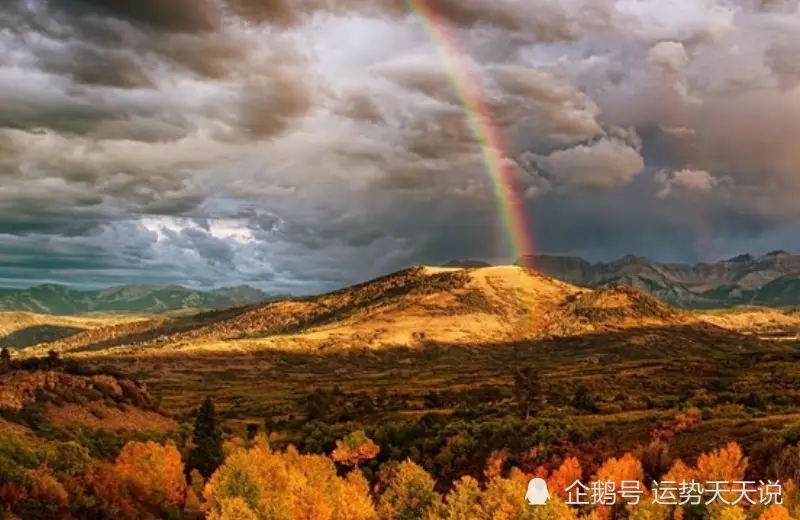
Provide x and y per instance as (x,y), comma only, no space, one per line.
(414,307)
(761,321)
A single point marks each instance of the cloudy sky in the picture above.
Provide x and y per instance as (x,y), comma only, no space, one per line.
(300,145)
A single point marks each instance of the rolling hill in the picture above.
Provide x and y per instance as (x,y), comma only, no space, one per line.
(416,307)
(22,329)
(62,300)
(770,280)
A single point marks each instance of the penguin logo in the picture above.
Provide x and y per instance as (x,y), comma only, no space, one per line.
(537,494)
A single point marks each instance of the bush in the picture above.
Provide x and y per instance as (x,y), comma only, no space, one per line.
(34,417)
(584,400)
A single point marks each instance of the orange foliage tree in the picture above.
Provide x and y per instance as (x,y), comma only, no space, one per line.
(775,512)
(665,431)
(627,468)
(286,485)
(154,471)
(726,464)
(113,495)
(355,449)
(562,478)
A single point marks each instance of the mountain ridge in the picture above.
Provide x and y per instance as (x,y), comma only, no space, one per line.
(58,299)
(772,279)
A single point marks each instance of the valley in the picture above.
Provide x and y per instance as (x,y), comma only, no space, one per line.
(453,368)
(426,331)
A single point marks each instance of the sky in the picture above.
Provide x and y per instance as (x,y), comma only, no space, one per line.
(303,145)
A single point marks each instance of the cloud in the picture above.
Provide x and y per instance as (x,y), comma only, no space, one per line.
(304,145)
(693,181)
(605,164)
(671,57)
(175,15)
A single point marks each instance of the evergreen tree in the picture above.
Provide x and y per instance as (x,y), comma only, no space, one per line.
(584,400)
(206,455)
(5,360)
(252,431)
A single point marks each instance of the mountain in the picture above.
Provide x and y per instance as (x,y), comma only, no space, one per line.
(411,308)
(62,300)
(769,280)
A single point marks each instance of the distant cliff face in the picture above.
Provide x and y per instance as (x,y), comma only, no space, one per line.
(59,299)
(773,279)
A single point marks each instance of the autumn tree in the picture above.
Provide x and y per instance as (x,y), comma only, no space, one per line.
(355,449)
(155,471)
(719,511)
(206,455)
(726,464)
(562,478)
(646,509)
(504,498)
(357,504)
(234,508)
(775,512)
(409,493)
(626,468)
(464,501)
(113,497)
(494,464)
(257,482)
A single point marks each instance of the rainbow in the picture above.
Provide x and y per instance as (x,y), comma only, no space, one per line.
(505,183)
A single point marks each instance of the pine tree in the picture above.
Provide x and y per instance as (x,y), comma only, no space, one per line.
(5,360)
(584,400)
(206,455)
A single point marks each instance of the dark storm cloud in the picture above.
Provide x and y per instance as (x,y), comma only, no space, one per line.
(48,110)
(89,65)
(304,145)
(270,106)
(212,56)
(174,15)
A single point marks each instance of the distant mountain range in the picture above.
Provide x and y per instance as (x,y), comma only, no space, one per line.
(769,280)
(59,299)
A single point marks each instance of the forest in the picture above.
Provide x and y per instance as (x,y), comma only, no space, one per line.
(241,478)
(472,463)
